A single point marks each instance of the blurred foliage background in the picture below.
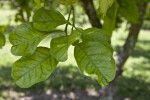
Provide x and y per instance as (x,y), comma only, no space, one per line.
(66,81)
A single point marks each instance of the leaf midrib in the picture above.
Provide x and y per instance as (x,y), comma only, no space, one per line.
(29,40)
(33,67)
(91,61)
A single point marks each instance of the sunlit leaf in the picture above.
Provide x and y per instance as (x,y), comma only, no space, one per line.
(47,20)
(60,45)
(110,19)
(94,58)
(25,39)
(94,34)
(104,6)
(35,68)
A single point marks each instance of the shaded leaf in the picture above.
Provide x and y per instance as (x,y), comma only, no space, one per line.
(25,39)
(2,40)
(3,29)
(129,10)
(59,46)
(47,20)
(94,58)
(35,68)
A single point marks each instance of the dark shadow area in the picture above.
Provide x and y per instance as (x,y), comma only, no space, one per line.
(5,77)
(138,50)
(66,78)
(135,88)
(61,95)
(136,84)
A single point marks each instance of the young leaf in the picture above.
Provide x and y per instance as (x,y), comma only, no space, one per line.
(33,69)
(110,19)
(2,40)
(47,20)
(60,45)
(25,39)
(103,6)
(94,58)
(67,2)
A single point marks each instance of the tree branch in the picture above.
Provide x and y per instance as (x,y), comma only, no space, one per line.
(91,12)
(20,9)
(131,40)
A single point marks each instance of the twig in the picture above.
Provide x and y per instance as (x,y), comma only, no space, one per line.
(73,17)
(68,20)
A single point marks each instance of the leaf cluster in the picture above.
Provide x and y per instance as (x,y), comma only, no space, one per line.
(92,50)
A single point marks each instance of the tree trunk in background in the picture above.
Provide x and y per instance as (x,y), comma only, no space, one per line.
(109,92)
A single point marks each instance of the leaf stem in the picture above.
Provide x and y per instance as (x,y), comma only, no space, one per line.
(73,17)
(68,20)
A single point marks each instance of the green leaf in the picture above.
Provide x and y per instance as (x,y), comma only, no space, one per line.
(25,39)
(129,10)
(59,46)
(33,69)
(2,40)
(110,19)
(67,2)
(47,20)
(94,34)
(38,3)
(103,6)
(3,29)
(94,58)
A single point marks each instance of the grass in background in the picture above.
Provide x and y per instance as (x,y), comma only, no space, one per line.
(135,81)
